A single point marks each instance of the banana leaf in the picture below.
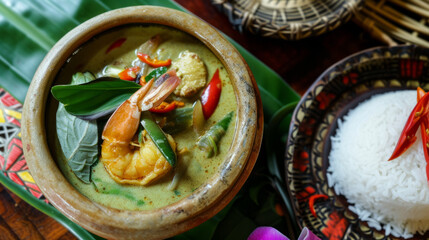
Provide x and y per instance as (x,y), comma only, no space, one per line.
(30,28)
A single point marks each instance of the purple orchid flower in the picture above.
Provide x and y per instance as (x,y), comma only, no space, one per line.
(270,233)
(307,235)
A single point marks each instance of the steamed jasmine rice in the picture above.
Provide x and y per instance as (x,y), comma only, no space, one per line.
(393,195)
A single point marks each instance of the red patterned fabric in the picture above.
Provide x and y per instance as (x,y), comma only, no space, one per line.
(12,161)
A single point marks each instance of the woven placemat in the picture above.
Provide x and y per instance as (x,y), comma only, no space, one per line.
(287,19)
(396,21)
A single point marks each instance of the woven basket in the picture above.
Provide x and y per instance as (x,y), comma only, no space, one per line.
(393,21)
(287,19)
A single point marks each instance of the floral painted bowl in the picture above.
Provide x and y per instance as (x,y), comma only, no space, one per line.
(337,90)
(206,200)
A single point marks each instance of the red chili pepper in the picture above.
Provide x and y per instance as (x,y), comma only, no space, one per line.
(155,63)
(424,131)
(311,201)
(420,93)
(129,74)
(165,107)
(211,95)
(116,44)
(408,135)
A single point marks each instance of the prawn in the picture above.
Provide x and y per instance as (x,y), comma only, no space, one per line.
(125,162)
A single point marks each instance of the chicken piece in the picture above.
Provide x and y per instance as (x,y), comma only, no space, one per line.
(191,69)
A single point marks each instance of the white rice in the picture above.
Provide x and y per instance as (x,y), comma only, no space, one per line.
(394,193)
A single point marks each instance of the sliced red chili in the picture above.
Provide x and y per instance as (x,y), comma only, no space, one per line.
(155,63)
(408,135)
(165,107)
(311,201)
(211,95)
(116,44)
(178,103)
(129,74)
(420,93)
(424,131)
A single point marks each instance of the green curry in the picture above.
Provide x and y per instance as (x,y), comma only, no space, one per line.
(193,167)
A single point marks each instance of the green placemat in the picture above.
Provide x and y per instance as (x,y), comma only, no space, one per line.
(30,28)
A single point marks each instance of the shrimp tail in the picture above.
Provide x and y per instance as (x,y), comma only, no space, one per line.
(124,122)
(163,87)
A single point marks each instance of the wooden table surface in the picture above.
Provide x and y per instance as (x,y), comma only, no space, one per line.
(299,63)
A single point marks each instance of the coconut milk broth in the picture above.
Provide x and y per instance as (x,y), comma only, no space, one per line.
(195,166)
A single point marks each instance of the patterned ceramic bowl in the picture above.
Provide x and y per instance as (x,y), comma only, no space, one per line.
(337,90)
(206,200)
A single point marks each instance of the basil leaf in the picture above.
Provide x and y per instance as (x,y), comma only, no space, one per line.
(78,138)
(156,73)
(94,99)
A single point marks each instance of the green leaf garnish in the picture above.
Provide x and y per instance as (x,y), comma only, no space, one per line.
(94,99)
(78,138)
(156,73)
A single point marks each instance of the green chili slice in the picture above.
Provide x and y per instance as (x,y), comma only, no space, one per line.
(208,142)
(159,138)
(156,73)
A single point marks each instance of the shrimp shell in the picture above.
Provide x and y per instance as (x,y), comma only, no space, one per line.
(124,162)
(140,166)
